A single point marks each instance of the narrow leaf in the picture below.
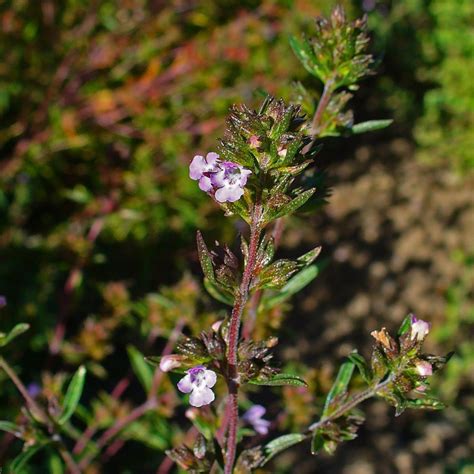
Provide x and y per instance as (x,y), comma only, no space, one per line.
(22,459)
(405,326)
(293,286)
(317,442)
(73,395)
(218,293)
(142,370)
(280,444)
(425,403)
(362,366)
(293,205)
(10,428)
(340,384)
(15,332)
(310,256)
(370,126)
(205,258)
(304,52)
(281,379)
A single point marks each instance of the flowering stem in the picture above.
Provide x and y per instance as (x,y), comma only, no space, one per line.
(235,319)
(318,115)
(355,400)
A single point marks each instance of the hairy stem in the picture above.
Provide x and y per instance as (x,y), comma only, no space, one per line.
(235,319)
(318,115)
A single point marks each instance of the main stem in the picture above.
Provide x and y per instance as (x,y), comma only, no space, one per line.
(234,327)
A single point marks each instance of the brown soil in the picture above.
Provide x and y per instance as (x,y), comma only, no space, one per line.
(390,231)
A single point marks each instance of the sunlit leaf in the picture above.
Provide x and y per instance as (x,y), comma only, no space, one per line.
(142,370)
(73,395)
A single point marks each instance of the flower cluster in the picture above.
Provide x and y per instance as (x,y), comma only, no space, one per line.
(224,180)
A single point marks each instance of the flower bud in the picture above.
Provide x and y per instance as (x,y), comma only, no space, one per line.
(170,362)
(419,329)
(424,368)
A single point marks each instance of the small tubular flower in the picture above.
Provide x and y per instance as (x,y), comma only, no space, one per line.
(170,362)
(224,180)
(419,329)
(198,381)
(424,368)
(253,416)
(230,181)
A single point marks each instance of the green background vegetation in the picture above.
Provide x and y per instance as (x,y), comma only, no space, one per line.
(102,106)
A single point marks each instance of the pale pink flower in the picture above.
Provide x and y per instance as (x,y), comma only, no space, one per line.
(419,328)
(198,382)
(424,368)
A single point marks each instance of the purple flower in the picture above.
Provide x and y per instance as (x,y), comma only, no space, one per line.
(3,301)
(230,181)
(200,169)
(419,328)
(198,382)
(253,416)
(224,179)
(424,368)
(33,389)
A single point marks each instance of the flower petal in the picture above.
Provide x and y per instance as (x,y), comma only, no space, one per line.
(185,385)
(254,412)
(218,179)
(229,193)
(212,158)
(197,167)
(205,184)
(244,174)
(202,396)
(210,378)
(262,426)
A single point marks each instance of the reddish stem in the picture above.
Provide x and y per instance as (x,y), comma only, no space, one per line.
(235,318)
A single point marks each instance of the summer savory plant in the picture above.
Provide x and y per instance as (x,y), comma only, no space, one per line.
(262,172)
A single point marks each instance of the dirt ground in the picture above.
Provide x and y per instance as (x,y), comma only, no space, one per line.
(390,231)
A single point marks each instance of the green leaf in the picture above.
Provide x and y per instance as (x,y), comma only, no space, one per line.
(280,444)
(205,258)
(10,428)
(73,395)
(309,257)
(370,126)
(292,206)
(405,326)
(293,286)
(15,332)
(362,365)
(22,459)
(304,52)
(218,293)
(276,275)
(340,385)
(317,442)
(425,403)
(281,379)
(55,464)
(142,370)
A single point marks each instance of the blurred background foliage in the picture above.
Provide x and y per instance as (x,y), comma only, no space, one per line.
(104,103)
